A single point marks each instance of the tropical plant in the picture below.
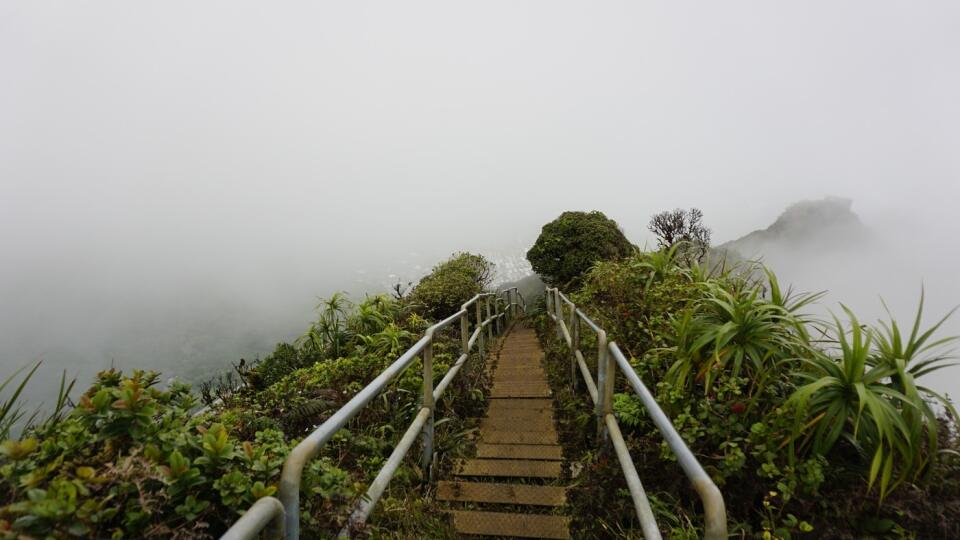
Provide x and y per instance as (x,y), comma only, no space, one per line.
(908,358)
(11,411)
(847,397)
(389,341)
(729,332)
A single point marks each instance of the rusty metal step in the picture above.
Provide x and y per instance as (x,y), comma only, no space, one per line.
(551,452)
(527,468)
(507,524)
(485,492)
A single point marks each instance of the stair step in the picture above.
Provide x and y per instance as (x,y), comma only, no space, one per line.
(499,404)
(520,451)
(531,423)
(508,467)
(524,415)
(508,524)
(484,492)
(518,437)
(511,386)
(519,392)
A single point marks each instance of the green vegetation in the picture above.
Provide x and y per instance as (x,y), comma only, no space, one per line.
(133,459)
(451,284)
(569,245)
(810,429)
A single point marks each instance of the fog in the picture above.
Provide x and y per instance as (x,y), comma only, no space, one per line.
(180,180)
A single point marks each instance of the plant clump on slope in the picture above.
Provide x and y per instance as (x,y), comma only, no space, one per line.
(569,245)
(450,284)
(808,427)
(135,460)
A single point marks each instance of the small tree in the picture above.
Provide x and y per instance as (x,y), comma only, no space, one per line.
(675,226)
(569,245)
(451,283)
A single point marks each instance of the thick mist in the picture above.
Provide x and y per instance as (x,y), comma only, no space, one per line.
(179,181)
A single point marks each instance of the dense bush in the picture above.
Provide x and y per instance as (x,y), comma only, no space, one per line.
(450,284)
(569,245)
(130,461)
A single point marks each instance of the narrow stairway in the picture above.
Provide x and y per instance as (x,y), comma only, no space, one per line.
(510,489)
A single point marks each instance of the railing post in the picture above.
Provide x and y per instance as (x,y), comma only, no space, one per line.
(426,462)
(558,311)
(575,331)
(480,335)
(489,324)
(603,388)
(464,333)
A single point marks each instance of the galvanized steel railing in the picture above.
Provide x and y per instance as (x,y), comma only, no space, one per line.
(280,517)
(609,357)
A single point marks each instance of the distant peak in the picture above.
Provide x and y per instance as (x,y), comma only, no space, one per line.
(823,224)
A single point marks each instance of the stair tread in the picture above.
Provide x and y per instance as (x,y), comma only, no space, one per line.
(510,524)
(518,437)
(511,423)
(520,468)
(497,493)
(519,451)
(519,403)
(519,392)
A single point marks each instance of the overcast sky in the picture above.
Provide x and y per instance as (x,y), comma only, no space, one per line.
(273,149)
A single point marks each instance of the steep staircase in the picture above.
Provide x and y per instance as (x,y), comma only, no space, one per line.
(512,488)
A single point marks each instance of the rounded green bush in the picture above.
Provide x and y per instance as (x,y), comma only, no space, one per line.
(569,245)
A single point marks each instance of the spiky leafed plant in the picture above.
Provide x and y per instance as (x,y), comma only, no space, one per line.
(333,315)
(330,329)
(908,358)
(792,302)
(733,333)
(372,315)
(658,264)
(11,411)
(388,342)
(847,396)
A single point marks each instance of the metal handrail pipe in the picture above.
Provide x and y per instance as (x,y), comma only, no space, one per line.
(566,333)
(587,377)
(593,326)
(451,373)
(476,297)
(473,338)
(715,514)
(380,483)
(309,447)
(648,523)
(267,511)
(446,322)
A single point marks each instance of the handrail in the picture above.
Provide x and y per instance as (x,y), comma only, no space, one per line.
(609,358)
(286,510)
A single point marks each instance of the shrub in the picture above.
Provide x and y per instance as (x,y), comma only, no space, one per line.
(451,283)
(130,461)
(569,245)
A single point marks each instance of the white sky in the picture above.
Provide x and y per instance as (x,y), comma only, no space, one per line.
(268,150)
